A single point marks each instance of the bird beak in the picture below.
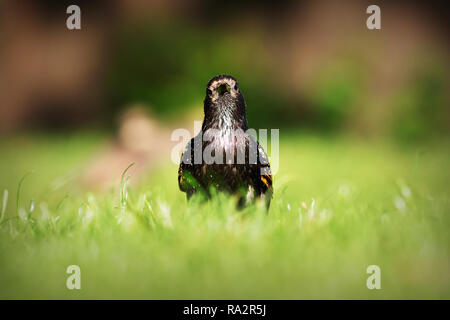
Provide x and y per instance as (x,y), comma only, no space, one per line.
(222,89)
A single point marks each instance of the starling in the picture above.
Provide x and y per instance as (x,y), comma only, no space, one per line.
(224,157)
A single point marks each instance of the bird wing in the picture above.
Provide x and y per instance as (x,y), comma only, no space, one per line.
(261,173)
(186,179)
(264,168)
(181,179)
(185,166)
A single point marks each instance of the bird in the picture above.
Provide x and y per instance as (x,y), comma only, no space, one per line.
(224,156)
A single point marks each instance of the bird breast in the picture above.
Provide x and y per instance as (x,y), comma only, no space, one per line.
(229,143)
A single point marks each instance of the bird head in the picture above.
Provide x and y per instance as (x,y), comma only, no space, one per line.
(224,104)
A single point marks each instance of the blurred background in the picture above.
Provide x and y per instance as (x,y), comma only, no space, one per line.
(137,69)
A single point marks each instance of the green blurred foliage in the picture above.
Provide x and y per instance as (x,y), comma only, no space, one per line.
(422,107)
(166,65)
(167,68)
(334,93)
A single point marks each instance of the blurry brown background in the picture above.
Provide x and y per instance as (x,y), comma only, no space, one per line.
(301,64)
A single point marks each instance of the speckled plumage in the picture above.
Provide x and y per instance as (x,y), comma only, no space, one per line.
(240,166)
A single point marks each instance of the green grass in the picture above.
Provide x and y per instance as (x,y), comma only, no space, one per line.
(340,205)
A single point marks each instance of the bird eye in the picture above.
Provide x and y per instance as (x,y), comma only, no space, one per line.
(236,87)
(208,91)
